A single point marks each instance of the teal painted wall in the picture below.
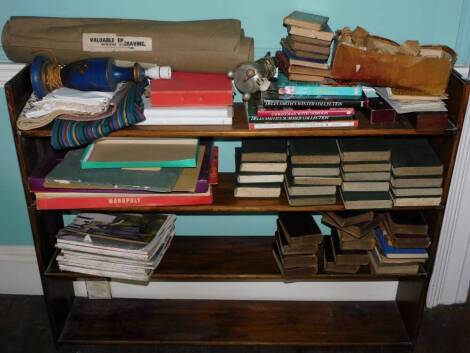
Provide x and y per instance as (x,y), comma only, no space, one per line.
(428,21)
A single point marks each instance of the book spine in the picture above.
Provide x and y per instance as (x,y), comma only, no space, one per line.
(306,112)
(257,119)
(321,90)
(121,202)
(312,103)
(302,125)
(200,98)
(214,171)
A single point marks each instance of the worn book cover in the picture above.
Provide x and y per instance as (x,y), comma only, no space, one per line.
(414,157)
(366,199)
(263,150)
(302,53)
(330,265)
(312,48)
(300,227)
(348,218)
(313,151)
(306,20)
(357,149)
(407,222)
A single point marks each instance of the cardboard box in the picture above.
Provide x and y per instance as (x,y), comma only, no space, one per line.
(378,61)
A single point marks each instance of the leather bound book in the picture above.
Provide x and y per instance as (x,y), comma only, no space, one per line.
(305,248)
(295,272)
(413,157)
(405,241)
(348,218)
(307,40)
(293,261)
(318,49)
(303,54)
(367,149)
(313,151)
(329,264)
(347,257)
(348,242)
(407,222)
(263,150)
(300,228)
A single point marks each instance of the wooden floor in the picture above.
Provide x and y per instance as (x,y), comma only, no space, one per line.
(24,329)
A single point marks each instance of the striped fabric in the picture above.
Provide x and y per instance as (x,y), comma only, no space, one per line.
(69,133)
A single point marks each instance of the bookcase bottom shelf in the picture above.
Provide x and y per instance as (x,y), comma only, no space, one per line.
(228,258)
(234,323)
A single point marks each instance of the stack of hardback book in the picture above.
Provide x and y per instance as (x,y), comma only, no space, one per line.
(402,242)
(313,173)
(127,172)
(297,245)
(123,246)
(351,238)
(190,98)
(260,165)
(417,173)
(365,170)
(309,39)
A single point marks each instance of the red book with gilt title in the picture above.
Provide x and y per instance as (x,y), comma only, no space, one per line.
(192,89)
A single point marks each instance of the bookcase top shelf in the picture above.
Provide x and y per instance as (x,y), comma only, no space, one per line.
(225,201)
(239,129)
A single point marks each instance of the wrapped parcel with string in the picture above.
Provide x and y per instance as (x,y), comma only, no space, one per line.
(201,46)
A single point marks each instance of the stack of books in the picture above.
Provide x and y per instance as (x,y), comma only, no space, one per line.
(417,173)
(313,173)
(402,241)
(128,172)
(297,245)
(291,104)
(408,101)
(351,239)
(260,166)
(123,246)
(190,98)
(309,39)
(365,170)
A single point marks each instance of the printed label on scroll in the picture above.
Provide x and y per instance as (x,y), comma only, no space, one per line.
(106,42)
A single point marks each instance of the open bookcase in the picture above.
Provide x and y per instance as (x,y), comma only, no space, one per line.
(101,324)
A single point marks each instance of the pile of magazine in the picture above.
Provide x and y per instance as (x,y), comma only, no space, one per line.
(123,246)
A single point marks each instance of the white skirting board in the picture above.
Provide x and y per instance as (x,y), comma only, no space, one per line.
(19,270)
(451,275)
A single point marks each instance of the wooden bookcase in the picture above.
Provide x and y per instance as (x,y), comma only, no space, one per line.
(102,324)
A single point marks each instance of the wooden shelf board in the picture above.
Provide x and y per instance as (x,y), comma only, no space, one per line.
(235,323)
(226,202)
(239,129)
(227,258)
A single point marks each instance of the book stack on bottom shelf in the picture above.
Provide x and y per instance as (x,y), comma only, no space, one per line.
(402,242)
(313,172)
(123,246)
(367,183)
(417,173)
(260,166)
(297,245)
(351,239)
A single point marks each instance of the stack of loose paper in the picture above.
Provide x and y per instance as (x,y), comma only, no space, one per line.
(124,246)
(411,103)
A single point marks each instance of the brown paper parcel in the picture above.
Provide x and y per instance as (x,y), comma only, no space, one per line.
(204,46)
(380,62)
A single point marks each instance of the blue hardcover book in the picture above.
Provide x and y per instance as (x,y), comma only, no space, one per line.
(393,252)
(298,88)
(291,55)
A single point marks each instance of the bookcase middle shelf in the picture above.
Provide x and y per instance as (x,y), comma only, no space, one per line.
(226,202)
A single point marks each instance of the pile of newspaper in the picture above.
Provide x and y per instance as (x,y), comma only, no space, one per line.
(123,246)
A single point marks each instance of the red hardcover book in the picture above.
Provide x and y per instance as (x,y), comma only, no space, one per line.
(192,89)
(54,201)
(306,112)
(214,171)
